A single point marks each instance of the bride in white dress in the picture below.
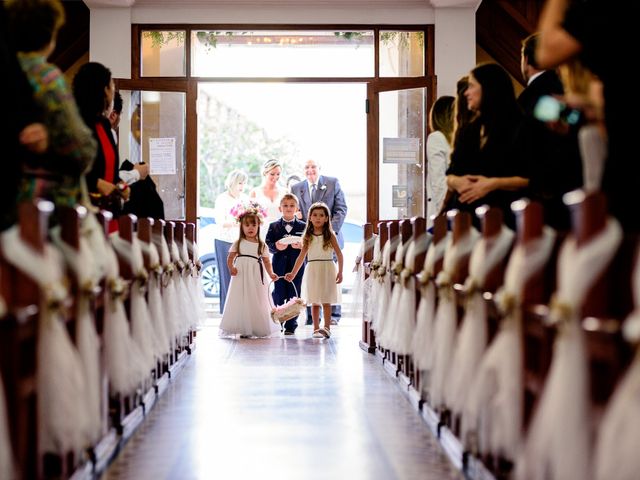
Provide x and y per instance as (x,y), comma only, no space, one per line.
(269,193)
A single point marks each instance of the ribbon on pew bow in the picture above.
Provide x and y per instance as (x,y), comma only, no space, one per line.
(361,288)
(616,450)
(192,287)
(402,326)
(154,301)
(492,416)
(384,290)
(187,318)
(425,316)
(372,286)
(124,360)
(63,418)
(7,468)
(558,442)
(472,337)
(169,290)
(142,331)
(81,262)
(385,323)
(446,320)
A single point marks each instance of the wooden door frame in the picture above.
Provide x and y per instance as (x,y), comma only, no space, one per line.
(190,89)
(373,132)
(189,85)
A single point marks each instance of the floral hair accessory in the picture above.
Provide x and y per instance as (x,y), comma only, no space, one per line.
(252,208)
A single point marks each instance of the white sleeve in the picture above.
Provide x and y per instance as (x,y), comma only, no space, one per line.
(438,151)
(129,176)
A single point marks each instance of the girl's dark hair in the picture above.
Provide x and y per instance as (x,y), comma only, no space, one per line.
(327,231)
(34,23)
(498,106)
(89,90)
(256,219)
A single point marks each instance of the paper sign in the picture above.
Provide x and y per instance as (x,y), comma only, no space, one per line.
(400,150)
(399,195)
(162,156)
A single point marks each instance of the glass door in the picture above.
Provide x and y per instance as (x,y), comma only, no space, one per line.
(397,131)
(153,131)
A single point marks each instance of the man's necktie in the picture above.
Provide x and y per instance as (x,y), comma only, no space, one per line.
(313,193)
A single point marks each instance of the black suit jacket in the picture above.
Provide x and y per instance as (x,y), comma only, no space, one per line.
(548,83)
(144,201)
(554,160)
(284,260)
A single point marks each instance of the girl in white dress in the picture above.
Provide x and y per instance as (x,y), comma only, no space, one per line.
(319,284)
(247,309)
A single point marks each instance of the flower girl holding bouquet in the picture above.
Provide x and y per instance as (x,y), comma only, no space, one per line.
(319,284)
(247,308)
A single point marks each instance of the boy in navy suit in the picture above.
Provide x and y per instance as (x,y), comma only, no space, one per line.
(284,255)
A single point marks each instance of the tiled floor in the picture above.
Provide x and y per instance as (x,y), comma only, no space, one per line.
(282,408)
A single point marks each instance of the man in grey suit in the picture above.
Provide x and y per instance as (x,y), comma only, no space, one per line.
(319,188)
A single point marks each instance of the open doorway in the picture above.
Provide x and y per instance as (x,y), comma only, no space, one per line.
(241,125)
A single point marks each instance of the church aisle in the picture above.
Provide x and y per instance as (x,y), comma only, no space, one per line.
(286,408)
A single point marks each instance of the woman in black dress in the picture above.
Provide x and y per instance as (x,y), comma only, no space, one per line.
(486,162)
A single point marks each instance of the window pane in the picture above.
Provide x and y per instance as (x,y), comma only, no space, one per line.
(401,54)
(282,54)
(152,130)
(402,128)
(163,53)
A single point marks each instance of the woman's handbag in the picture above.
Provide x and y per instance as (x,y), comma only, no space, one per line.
(288,310)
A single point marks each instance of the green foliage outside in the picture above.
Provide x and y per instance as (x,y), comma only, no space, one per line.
(210,38)
(230,141)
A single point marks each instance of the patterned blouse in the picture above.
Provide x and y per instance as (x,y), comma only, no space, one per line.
(56,175)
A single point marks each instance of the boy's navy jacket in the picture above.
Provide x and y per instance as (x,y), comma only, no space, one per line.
(284,260)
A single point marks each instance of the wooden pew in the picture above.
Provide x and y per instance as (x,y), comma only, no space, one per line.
(158,230)
(406,234)
(419,228)
(145,226)
(169,235)
(18,338)
(180,237)
(393,229)
(383,232)
(121,406)
(368,341)
(538,338)
(491,220)
(607,303)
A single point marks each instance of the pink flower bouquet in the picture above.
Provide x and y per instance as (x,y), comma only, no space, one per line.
(251,208)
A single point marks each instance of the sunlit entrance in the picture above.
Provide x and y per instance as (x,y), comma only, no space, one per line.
(241,125)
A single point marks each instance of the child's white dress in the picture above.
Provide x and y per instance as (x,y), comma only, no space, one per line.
(319,281)
(247,308)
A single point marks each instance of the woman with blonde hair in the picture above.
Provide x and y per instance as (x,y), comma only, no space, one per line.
(438,150)
(269,192)
(227,231)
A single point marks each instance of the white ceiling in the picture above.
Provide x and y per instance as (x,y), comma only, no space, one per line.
(286,3)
